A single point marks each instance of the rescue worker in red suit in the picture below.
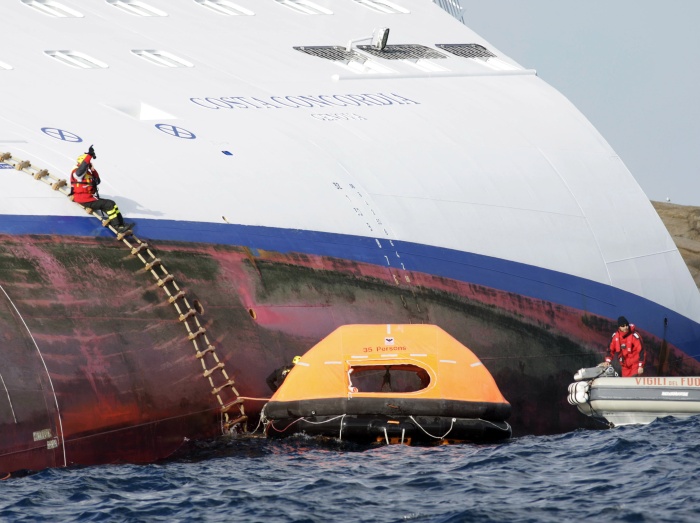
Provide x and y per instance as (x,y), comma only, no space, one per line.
(626,344)
(84,180)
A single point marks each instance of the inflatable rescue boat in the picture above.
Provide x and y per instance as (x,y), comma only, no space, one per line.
(411,384)
(599,393)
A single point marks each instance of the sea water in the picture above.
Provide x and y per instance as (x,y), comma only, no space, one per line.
(633,473)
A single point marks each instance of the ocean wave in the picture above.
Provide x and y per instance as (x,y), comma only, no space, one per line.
(632,473)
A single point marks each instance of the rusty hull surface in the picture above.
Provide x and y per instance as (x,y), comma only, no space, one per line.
(97,369)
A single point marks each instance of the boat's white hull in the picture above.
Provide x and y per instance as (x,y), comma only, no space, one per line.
(640,400)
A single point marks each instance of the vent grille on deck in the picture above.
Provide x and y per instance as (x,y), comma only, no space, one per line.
(224,7)
(334,53)
(51,8)
(403,52)
(305,7)
(467,50)
(136,8)
(161,58)
(337,53)
(76,59)
(383,6)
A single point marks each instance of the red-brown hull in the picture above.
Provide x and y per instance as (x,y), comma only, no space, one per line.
(96,362)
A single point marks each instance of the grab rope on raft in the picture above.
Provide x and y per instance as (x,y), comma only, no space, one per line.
(452,424)
(268,423)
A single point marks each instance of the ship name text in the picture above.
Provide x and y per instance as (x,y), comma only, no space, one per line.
(303,101)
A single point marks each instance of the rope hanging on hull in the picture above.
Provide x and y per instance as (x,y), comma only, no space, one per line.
(213,369)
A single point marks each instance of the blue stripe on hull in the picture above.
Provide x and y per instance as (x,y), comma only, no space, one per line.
(513,277)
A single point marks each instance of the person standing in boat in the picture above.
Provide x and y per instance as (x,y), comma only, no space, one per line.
(84,180)
(275,379)
(626,344)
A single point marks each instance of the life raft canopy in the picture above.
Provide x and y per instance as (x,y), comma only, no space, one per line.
(384,375)
(423,361)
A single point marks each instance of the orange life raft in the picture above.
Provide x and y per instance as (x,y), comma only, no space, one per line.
(392,383)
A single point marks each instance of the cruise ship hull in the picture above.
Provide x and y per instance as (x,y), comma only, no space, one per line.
(294,173)
(125,384)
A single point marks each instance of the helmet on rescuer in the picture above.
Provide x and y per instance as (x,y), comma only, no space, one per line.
(80,158)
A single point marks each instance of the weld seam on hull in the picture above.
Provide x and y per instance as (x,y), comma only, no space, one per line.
(48,375)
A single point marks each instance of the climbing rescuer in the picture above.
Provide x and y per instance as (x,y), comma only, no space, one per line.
(626,344)
(275,379)
(84,180)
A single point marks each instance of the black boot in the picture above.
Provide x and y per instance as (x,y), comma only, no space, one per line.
(123,227)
